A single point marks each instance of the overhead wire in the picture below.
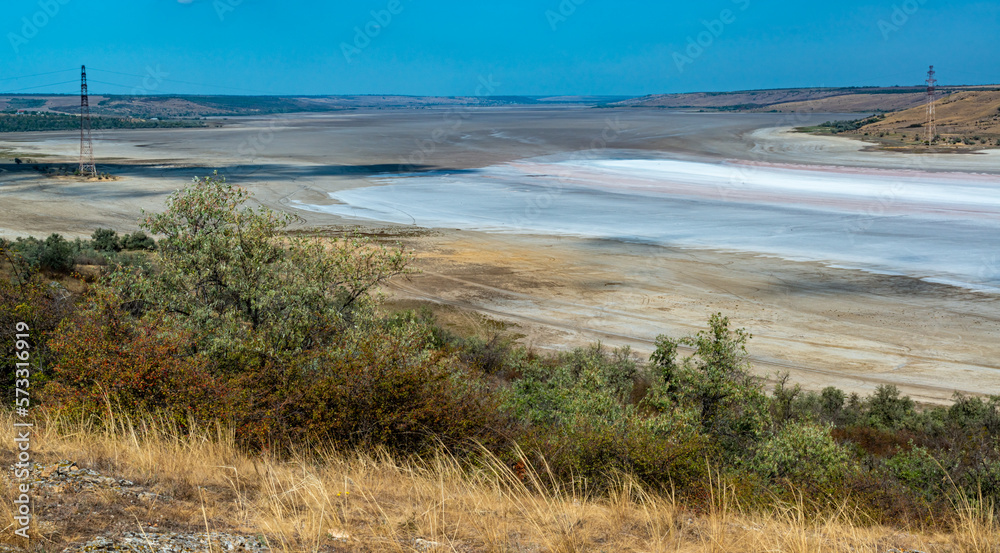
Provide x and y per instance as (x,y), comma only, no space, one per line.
(37,87)
(36,75)
(182,82)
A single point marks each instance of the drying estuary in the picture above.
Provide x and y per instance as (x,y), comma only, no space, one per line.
(850,267)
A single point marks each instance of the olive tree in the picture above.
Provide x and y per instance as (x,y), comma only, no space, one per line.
(233,275)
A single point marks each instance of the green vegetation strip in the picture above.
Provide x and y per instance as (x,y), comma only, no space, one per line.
(53,122)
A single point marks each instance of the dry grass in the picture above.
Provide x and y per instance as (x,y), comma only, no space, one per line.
(961,115)
(853,103)
(331,501)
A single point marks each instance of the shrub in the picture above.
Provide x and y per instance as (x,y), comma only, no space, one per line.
(376,387)
(102,358)
(804,454)
(975,414)
(27,297)
(832,404)
(138,240)
(54,254)
(786,401)
(888,409)
(715,381)
(229,275)
(919,471)
(105,240)
(581,419)
(57,255)
(89,256)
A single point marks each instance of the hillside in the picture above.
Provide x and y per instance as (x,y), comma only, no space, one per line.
(965,117)
(832,100)
(854,103)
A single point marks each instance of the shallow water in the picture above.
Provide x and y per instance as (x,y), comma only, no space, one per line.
(941,227)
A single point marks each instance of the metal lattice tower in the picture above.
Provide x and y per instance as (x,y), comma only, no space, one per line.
(931,123)
(87,166)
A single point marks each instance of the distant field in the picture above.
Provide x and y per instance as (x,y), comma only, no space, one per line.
(858,103)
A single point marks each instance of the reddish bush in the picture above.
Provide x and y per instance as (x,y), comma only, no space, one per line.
(373,388)
(140,366)
(873,441)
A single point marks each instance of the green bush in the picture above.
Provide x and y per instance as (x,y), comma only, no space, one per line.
(716,382)
(54,254)
(888,409)
(229,275)
(920,472)
(105,240)
(804,454)
(138,240)
(581,416)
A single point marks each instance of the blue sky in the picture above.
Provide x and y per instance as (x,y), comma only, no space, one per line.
(537,47)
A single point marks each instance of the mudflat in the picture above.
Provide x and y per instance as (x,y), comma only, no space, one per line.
(826,327)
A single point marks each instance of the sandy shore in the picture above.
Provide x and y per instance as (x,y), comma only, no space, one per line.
(826,326)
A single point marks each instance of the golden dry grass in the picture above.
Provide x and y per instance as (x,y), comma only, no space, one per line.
(332,501)
(853,103)
(961,114)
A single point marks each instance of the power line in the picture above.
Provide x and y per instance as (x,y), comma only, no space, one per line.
(183,82)
(36,75)
(111,84)
(36,87)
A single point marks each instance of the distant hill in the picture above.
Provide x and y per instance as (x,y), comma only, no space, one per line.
(963,116)
(965,121)
(829,100)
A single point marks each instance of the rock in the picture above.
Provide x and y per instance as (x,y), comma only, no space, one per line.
(68,477)
(425,545)
(153,542)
